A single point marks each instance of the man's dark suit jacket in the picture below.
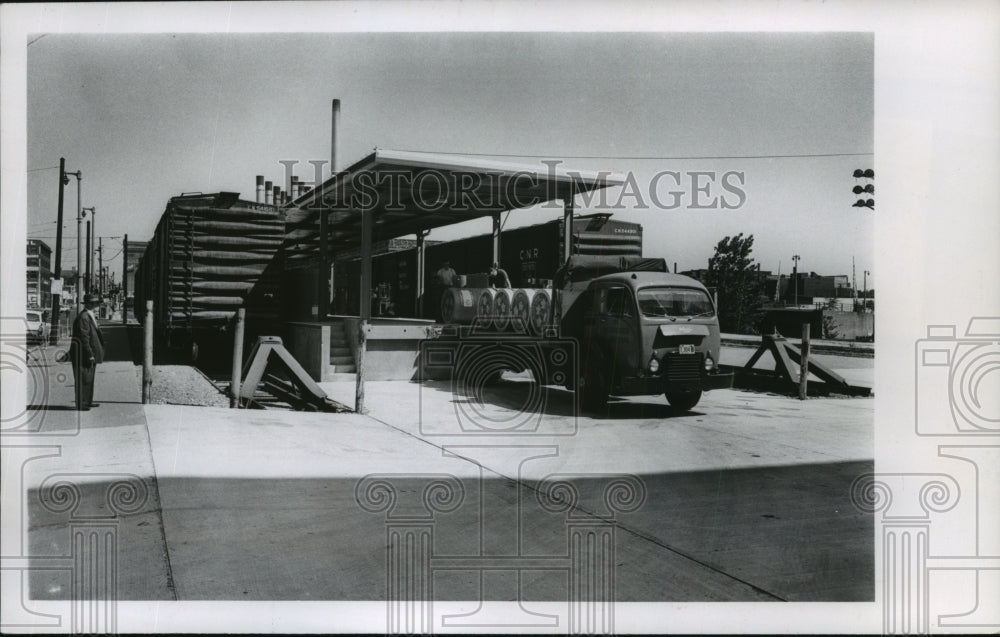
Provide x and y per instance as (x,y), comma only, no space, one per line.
(88,341)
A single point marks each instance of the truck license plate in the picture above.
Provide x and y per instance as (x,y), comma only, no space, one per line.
(686,349)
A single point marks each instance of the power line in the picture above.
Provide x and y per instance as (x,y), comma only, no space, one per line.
(32,170)
(647,157)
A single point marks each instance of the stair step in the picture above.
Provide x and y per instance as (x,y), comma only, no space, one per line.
(341,360)
(347,369)
(343,376)
(340,351)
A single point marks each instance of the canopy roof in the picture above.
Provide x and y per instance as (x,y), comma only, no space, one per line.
(410,191)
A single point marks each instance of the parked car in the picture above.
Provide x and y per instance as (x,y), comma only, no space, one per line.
(37,326)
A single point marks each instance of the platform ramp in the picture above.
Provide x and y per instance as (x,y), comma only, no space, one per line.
(784,378)
(272,373)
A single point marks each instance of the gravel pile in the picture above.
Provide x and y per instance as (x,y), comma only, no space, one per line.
(182,385)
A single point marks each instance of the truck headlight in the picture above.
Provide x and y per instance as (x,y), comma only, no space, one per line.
(709,363)
(654,365)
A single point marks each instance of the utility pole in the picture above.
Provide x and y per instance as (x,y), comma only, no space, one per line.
(79,249)
(125,280)
(100,266)
(54,331)
(854,282)
(864,296)
(88,280)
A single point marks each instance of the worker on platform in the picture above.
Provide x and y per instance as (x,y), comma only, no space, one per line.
(446,276)
(498,277)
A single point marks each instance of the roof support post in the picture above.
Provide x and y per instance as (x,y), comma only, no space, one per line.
(567,241)
(367,227)
(421,266)
(568,224)
(323,272)
(496,237)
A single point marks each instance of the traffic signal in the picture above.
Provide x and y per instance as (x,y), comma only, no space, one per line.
(868,189)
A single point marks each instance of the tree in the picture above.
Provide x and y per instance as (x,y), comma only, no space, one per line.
(830,329)
(740,290)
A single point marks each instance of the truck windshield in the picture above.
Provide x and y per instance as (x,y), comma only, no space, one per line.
(657,302)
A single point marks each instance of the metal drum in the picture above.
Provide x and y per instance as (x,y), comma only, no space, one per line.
(484,307)
(520,309)
(458,305)
(501,308)
(541,311)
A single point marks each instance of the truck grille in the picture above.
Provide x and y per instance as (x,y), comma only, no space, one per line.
(683,367)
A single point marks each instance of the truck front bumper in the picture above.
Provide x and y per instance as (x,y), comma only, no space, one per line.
(650,385)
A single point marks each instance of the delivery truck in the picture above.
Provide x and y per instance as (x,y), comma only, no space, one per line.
(610,326)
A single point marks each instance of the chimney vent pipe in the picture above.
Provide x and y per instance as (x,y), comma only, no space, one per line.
(334,125)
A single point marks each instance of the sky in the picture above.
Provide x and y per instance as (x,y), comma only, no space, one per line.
(148,116)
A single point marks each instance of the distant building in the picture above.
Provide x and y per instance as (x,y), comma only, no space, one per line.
(698,275)
(135,251)
(836,286)
(39,274)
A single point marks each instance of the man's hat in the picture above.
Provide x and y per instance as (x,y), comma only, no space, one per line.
(91,298)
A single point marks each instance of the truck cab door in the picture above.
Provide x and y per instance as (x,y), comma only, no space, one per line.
(612,328)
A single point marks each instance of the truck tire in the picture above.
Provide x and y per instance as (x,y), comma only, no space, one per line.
(683,401)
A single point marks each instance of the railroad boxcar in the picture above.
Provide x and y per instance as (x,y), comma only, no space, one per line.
(530,255)
(209,255)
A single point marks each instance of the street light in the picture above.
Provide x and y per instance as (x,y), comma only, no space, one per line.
(795,275)
(864,294)
(79,216)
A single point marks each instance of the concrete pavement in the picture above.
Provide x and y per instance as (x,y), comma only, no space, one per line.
(746,498)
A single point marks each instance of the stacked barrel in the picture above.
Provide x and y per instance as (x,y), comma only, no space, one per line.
(207,258)
(522,310)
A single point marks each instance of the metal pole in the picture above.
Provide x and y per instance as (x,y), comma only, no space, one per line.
(125,280)
(88,284)
(90,253)
(56,298)
(334,126)
(234,385)
(864,295)
(147,353)
(323,272)
(496,238)
(367,226)
(100,264)
(795,275)
(420,273)
(804,364)
(79,248)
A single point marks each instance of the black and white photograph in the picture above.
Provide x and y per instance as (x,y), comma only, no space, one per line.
(349,318)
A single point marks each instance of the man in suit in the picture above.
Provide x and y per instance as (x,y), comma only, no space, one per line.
(85,352)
